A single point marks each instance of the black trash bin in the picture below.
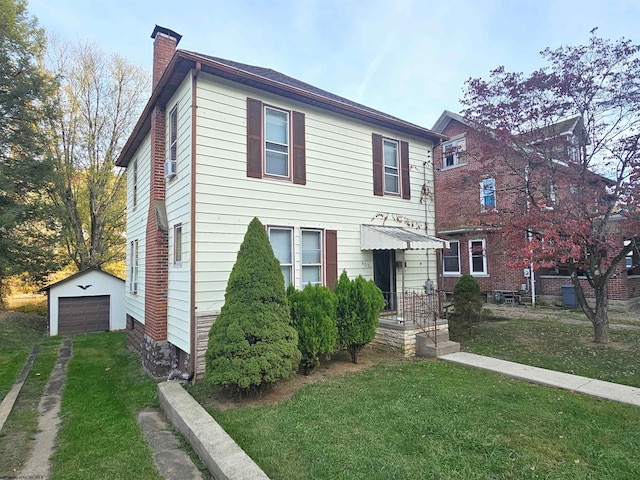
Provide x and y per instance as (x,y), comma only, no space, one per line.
(569,298)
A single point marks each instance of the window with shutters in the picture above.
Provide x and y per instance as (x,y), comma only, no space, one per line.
(311,257)
(281,239)
(275,142)
(391,167)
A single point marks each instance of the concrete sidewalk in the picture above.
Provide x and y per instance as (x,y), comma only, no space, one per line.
(549,378)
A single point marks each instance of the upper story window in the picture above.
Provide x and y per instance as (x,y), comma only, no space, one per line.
(177,244)
(171,165)
(311,254)
(281,239)
(477,257)
(451,151)
(451,258)
(488,194)
(135,183)
(390,167)
(276,142)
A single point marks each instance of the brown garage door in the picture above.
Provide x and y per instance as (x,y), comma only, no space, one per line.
(83,314)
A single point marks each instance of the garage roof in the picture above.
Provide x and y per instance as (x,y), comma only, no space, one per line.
(76,275)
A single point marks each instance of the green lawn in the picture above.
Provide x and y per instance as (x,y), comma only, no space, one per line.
(18,333)
(105,389)
(427,419)
(563,347)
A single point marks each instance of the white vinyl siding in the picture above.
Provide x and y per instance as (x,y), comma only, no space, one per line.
(178,205)
(137,227)
(337,195)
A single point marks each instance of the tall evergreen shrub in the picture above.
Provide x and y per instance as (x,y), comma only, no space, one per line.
(252,344)
(313,315)
(358,308)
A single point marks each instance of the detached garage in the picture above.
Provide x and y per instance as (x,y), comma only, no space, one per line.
(89,301)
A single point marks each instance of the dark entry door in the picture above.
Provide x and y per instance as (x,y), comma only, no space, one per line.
(384,276)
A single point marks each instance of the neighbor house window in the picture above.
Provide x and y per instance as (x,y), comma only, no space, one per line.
(477,257)
(451,151)
(311,253)
(282,243)
(451,258)
(135,183)
(488,194)
(276,142)
(177,244)
(133,274)
(391,166)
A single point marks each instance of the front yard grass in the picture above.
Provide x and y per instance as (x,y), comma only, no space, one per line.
(105,388)
(547,343)
(428,419)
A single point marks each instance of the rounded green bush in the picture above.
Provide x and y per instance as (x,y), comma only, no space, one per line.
(467,297)
(313,315)
(358,305)
(251,344)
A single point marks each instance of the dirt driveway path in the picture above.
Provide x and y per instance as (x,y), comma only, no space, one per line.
(38,465)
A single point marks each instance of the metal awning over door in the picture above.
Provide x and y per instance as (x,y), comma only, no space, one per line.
(376,237)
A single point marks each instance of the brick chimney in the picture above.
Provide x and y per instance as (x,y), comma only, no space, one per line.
(164,46)
(157,238)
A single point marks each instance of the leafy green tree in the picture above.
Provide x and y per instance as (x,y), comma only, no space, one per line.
(313,315)
(467,297)
(358,305)
(98,102)
(25,89)
(252,344)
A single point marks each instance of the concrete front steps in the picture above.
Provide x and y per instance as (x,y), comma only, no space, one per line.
(426,347)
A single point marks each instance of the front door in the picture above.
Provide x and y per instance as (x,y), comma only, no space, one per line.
(384,276)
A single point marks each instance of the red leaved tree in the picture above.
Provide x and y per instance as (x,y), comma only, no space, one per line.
(568,136)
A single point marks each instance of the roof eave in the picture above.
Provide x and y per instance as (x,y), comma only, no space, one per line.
(185,59)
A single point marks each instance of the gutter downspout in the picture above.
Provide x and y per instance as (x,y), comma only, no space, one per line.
(529,239)
(192,289)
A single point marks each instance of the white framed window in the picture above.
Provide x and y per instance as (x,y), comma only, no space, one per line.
(488,194)
(171,165)
(451,259)
(177,244)
(135,183)
(477,257)
(451,151)
(311,256)
(276,142)
(391,166)
(281,239)
(133,273)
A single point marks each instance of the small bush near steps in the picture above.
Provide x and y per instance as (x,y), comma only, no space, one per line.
(313,315)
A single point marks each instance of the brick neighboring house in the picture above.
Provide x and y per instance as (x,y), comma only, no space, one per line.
(466,191)
(221,142)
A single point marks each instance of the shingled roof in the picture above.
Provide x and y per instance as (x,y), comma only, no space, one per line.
(265,79)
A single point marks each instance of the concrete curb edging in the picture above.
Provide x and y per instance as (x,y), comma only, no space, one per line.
(222,456)
(10,398)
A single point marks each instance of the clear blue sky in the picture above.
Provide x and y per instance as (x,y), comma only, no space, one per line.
(408,58)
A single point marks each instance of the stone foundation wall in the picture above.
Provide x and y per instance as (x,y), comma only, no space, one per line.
(158,358)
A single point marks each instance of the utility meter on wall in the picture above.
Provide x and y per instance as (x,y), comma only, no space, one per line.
(526,272)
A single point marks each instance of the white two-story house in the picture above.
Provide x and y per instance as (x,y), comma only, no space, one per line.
(339,186)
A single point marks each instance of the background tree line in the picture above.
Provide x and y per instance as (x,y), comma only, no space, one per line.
(66,110)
